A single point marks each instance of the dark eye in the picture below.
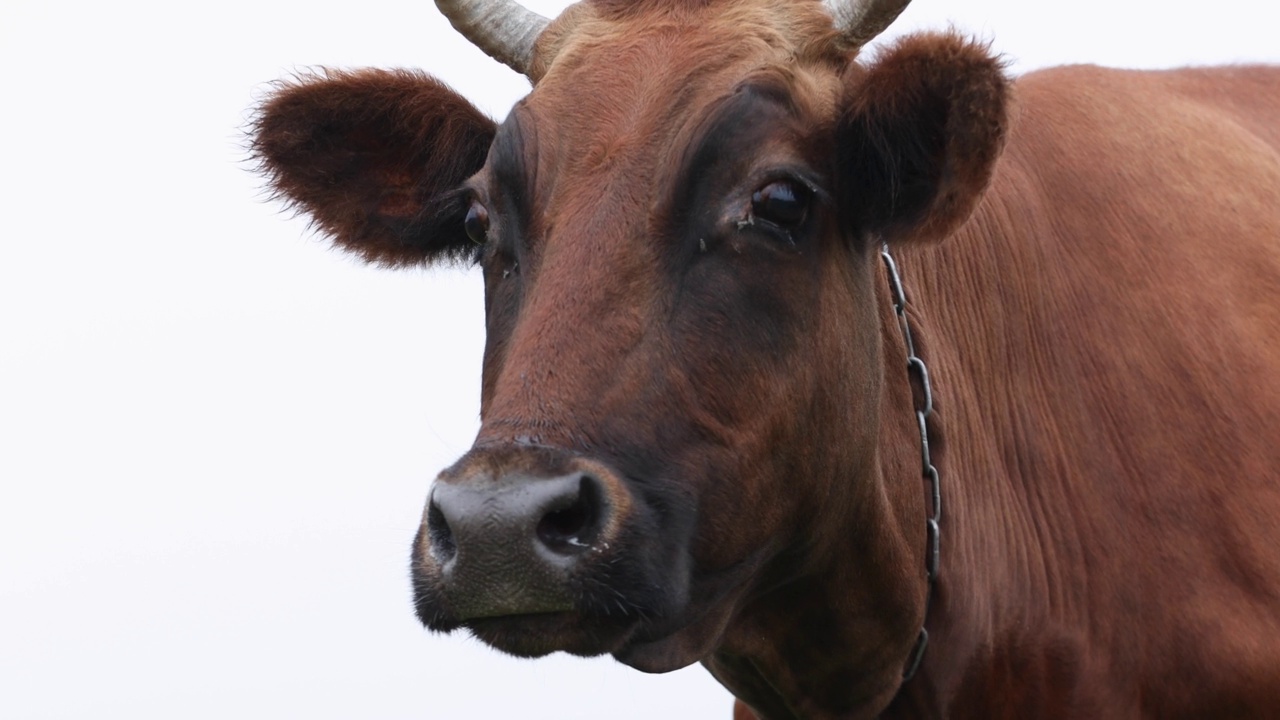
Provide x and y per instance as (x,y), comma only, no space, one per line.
(782,202)
(477,223)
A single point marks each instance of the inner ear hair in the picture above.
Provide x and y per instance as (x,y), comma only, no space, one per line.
(923,126)
(375,159)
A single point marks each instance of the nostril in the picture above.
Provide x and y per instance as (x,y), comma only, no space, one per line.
(573,527)
(440,535)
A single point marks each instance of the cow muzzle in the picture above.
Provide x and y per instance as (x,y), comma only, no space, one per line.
(510,532)
(509,546)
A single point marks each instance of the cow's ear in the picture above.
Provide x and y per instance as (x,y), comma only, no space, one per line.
(376,158)
(921,131)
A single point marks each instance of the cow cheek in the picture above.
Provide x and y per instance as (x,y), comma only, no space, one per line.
(744,467)
(753,377)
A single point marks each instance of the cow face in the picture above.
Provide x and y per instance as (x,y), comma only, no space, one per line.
(683,376)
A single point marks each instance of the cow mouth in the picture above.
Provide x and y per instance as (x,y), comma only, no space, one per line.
(535,635)
(642,623)
(653,643)
(601,619)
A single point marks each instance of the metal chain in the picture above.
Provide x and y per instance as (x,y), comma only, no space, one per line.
(919,373)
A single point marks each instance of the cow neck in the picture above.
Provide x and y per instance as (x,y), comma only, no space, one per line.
(922,392)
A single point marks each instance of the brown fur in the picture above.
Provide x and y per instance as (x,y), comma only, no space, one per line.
(925,123)
(1120,553)
(1100,323)
(372,157)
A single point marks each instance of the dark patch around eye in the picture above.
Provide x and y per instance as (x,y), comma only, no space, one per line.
(509,161)
(508,201)
(721,153)
(731,140)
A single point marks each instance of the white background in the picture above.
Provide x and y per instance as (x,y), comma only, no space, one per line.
(216,435)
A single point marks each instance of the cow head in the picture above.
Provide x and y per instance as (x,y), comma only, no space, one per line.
(682,451)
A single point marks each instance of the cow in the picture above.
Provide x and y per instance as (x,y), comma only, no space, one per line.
(880,383)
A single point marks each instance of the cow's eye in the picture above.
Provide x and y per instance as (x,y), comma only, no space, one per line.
(477,223)
(781,202)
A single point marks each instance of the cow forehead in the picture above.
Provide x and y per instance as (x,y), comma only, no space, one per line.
(636,68)
(625,86)
(800,29)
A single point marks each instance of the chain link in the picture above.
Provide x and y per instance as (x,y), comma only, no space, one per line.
(918,374)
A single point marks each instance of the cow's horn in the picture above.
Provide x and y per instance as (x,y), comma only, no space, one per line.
(859,21)
(504,30)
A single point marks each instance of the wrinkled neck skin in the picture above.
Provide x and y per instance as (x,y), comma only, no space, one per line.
(834,643)
(987,617)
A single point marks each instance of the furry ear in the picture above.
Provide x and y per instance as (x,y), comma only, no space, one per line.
(376,159)
(922,129)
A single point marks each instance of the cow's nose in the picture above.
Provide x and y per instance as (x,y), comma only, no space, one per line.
(507,546)
(560,516)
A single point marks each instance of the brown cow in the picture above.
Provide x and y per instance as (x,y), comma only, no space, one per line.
(701,431)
